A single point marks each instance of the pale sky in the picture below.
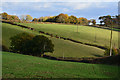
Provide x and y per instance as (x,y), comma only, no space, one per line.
(89,10)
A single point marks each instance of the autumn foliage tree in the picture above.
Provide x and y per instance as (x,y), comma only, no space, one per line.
(35,20)
(28,18)
(5,16)
(61,18)
(72,19)
(83,21)
(64,18)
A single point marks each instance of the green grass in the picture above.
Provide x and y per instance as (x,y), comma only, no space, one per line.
(9,31)
(23,66)
(69,49)
(85,33)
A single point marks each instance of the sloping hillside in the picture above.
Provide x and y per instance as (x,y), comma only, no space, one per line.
(69,49)
(84,34)
(24,66)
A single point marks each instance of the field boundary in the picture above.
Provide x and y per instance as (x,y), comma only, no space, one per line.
(56,36)
(110,60)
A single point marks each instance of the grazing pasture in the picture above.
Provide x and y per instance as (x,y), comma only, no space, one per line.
(84,34)
(24,66)
(62,47)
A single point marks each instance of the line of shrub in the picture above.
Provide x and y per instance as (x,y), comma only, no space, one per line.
(111,60)
(18,25)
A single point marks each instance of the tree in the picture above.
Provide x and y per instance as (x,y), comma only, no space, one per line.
(23,17)
(28,18)
(114,52)
(109,21)
(18,42)
(73,19)
(41,44)
(4,15)
(93,21)
(44,19)
(101,23)
(106,20)
(83,21)
(61,18)
(66,19)
(35,20)
(14,17)
(89,21)
(25,43)
(51,19)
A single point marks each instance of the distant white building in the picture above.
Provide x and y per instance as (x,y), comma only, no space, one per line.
(90,24)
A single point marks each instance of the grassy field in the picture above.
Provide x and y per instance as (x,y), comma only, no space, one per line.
(69,49)
(24,66)
(85,34)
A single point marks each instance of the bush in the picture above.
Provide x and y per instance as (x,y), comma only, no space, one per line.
(40,45)
(18,42)
(31,45)
(114,51)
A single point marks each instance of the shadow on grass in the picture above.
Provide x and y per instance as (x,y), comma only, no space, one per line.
(96,55)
